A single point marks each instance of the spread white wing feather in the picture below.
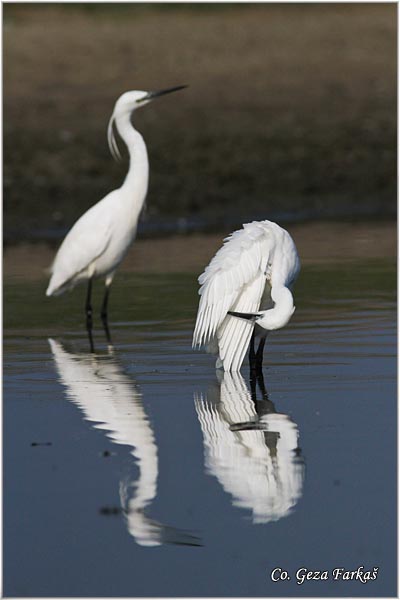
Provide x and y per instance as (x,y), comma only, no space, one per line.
(234,280)
(234,334)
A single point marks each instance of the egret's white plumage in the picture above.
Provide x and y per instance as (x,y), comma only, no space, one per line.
(99,240)
(254,269)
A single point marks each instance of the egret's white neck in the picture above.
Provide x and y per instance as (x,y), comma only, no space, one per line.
(280,314)
(137,178)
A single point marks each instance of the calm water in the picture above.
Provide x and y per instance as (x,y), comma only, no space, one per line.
(140,471)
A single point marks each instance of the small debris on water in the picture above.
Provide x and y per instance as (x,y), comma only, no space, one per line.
(41,443)
(110,510)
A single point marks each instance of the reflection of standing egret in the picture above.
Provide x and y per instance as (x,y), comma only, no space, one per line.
(111,401)
(251,449)
(99,240)
(246,291)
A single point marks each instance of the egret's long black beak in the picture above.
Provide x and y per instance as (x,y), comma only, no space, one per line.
(248,316)
(157,93)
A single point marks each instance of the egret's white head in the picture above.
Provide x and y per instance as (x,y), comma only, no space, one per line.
(126,104)
(273,318)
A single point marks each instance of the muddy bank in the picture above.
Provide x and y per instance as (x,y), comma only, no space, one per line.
(318,243)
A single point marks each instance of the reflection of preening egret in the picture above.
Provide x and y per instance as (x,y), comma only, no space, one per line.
(254,270)
(255,459)
(99,240)
(111,400)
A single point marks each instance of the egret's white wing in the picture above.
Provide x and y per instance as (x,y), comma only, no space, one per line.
(85,242)
(240,263)
(235,333)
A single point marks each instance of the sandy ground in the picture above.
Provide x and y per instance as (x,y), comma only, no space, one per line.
(317,243)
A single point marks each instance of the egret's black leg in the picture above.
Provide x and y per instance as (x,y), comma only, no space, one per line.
(253,385)
(89,314)
(104,306)
(259,355)
(90,336)
(261,385)
(252,355)
(107,331)
(104,313)
(88,307)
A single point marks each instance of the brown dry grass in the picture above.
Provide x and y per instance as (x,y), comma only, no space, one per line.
(291,108)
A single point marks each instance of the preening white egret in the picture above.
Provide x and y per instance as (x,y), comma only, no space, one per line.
(99,240)
(246,292)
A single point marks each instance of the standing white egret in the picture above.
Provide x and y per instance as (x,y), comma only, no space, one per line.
(99,240)
(246,292)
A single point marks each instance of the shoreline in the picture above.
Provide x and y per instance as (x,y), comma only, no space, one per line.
(317,243)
